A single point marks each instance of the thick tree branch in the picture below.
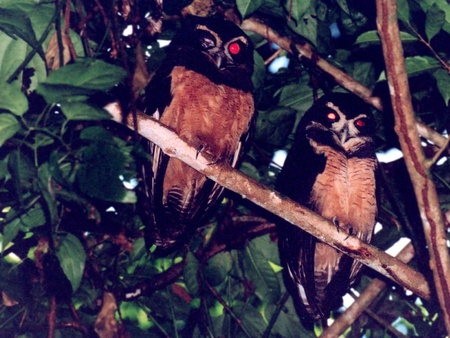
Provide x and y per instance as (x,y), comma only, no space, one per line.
(306,52)
(363,302)
(405,128)
(276,203)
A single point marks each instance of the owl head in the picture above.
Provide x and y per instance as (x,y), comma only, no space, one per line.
(341,121)
(216,48)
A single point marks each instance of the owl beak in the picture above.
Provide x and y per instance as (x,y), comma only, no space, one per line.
(344,135)
(219,60)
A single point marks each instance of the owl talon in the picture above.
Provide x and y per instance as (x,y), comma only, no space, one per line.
(336,223)
(199,150)
(350,232)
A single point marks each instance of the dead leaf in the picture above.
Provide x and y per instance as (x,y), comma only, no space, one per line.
(106,324)
(8,301)
(52,53)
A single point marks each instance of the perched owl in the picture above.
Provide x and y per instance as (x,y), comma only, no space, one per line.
(331,170)
(203,92)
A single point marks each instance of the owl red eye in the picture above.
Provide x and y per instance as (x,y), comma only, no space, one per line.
(331,116)
(234,48)
(360,123)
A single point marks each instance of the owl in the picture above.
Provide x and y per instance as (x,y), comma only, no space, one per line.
(330,169)
(203,92)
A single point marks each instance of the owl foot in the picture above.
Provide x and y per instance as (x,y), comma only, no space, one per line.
(336,223)
(350,232)
(338,227)
(199,150)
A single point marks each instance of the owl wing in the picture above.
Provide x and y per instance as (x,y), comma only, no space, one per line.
(296,246)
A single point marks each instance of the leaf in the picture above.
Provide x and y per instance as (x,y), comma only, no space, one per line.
(97,134)
(403,11)
(443,84)
(89,74)
(13,100)
(296,9)
(218,268)
(98,175)
(16,23)
(442,5)
(251,318)
(419,64)
(75,82)
(63,93)
(364,73)
(297,97)
(247,7)
(23,173)
(258,269)
(8,127)
(274,126)
(10,232)
(72,257)
(371,37)
(82,111)
(190,273)
(18,221)
(434,22)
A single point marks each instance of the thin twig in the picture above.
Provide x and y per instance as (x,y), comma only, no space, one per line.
(405,127)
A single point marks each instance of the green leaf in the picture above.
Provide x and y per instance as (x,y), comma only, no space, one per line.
(258,269)
(89,74)
(442,5)
(16,23)
(63,93)
(83,111)
(98,175)
(443,84)
(434,22)
(296,9)
(247,7)
(218,268)
(403,11)
(274,126)
(8,127)
(252,320)
(371,37)
(75,82)
(97,134)
(364,73)
(190,273)
(419,64)
(72,257)
(17,220)
(10,232)
(12,99)
(23,174)
(296,96)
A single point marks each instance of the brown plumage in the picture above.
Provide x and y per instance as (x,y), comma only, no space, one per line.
(330,169)
(203,92)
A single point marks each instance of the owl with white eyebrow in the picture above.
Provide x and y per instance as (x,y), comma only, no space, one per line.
(330,169)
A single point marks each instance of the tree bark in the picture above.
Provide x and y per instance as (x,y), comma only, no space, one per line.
(405,127)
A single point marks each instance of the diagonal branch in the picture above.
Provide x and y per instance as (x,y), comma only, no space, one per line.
(366,298)
(276,203)
(306,52)
(424,188)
